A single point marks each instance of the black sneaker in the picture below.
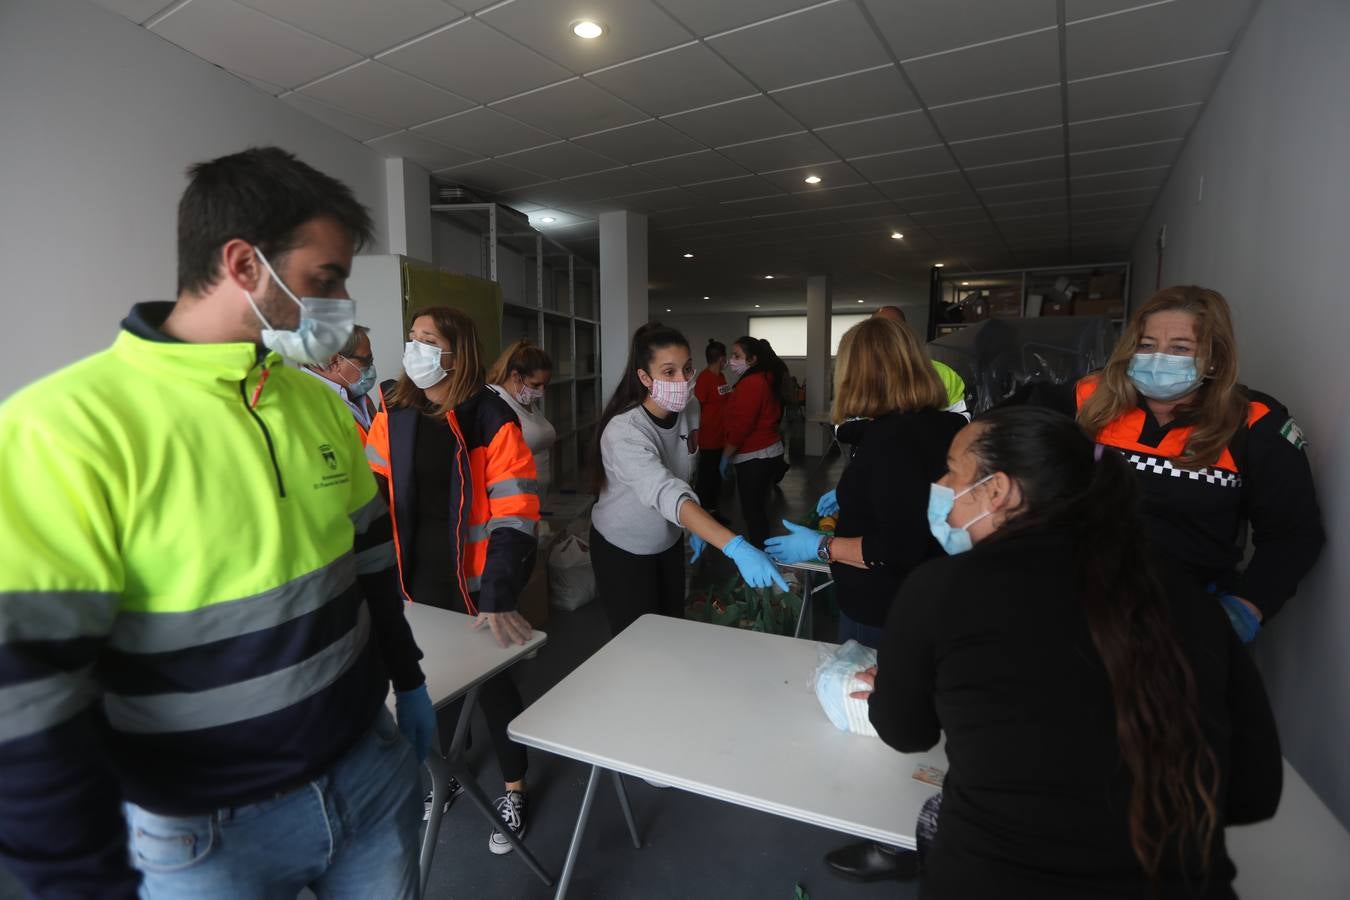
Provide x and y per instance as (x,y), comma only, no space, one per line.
(455,790)
(512,810)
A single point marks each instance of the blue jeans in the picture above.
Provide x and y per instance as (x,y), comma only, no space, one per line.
(350,834)
(867,635)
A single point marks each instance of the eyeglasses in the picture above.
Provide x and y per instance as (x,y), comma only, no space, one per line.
(364,361)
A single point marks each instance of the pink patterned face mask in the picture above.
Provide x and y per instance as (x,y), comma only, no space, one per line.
(671,395)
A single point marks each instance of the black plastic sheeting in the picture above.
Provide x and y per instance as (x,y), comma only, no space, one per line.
(999,356)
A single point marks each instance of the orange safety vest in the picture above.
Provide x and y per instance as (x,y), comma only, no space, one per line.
(1124,431)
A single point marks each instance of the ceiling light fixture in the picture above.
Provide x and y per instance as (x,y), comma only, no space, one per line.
(859,301)
(813,179)
(547,220)
(964,283)
(895,235)
(707,298)
(667,309)
(689,256)
(756,306)
(937,265)
(587,29)
(768,277)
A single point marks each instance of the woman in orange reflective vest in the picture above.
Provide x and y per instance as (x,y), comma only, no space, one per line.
(465,508)
(1212,455)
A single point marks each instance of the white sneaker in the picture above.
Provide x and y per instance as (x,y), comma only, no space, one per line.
(455,790)
(512,810)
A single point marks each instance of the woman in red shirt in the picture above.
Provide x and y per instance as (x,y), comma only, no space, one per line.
(750,419)
(711,390)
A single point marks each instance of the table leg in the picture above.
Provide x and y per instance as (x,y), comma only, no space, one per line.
(466,778)
(627,810)
(565,878)
(807,577)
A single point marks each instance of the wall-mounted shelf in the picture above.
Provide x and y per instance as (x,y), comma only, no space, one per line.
(960,299)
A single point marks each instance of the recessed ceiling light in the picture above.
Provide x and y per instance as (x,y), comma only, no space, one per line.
(756,306)
(859,301)
(667,309)
(769,277)
(707,298)
(813,179)
(895,235)
(937,265)
(547,220)
(587,29)
(964,283)
(689,256)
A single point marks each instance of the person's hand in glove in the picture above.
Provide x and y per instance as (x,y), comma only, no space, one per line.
(724,466)
(799,544)
(828,504)
(696,544)
(1244,621)
(756,568)
(507,627)
(416,719)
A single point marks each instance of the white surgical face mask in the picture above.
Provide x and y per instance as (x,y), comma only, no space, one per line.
(953,538)
(422,364)
(325,325)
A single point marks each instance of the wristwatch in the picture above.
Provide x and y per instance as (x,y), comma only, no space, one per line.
(823,549)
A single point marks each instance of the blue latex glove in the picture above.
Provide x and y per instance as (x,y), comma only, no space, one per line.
(756,568)
(697,544)
(828,504)
(800,543)
(416,719)
(1243,620)
(724,466)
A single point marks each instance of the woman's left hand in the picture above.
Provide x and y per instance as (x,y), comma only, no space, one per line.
(868,677)
(507,627)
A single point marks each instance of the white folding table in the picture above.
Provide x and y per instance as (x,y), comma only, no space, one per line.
(456,660)
(809,570)
(629,707)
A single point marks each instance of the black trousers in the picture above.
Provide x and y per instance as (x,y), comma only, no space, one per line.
(755,478)
(709,479)
(631,585)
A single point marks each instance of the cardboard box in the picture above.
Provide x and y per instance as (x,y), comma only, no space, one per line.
(1106,287)
(974,309)
(1005,303)
(1057,307)
(1111,307)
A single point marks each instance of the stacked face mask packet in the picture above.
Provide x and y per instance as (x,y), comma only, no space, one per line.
(834,682)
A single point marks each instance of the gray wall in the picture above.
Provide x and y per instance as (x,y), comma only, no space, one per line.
(100,119)
(1271,230)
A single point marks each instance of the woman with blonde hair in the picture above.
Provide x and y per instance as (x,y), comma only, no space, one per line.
(519,376)
(460,482)
(1212,456)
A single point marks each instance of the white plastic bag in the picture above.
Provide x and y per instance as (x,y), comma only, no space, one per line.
(834,682)
(571,580)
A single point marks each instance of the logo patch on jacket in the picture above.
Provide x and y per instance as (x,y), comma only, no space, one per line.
(329,456)
(1293,434)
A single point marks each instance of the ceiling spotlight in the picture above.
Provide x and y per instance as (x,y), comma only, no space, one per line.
(756,306)
(895,235)
(859,301)
(813,179)
(937,265)
(689,256)
(768,277)
(964,283)
(707,298)
(667,309)
(587,29)
(547,220)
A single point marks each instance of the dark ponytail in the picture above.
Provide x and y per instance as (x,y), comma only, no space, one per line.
(767,362)
(714,351)
(630,391)
(1068,482)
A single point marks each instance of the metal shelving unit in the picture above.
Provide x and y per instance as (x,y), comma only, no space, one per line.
(550,296)
(959,300)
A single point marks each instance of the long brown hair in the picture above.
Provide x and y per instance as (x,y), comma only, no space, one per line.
(882,368)
(1174,774)
(520,356)
(466,378)
(1217,408)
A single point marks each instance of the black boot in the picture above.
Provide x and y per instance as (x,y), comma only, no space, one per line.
(870,861)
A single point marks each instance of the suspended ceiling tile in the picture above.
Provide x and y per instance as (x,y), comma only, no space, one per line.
(829,39)
(734,188)
(486,132)
(958,216)
(927,186)
(1021,208)
(920,27)
(700,214)
(1135,128)
(570,109)
(844,195)
(603,185)
(639,143)
(1154,34)
(560,160)
(1134,212)
(359,127)
(657,201)
(633,28)
(246,42)
(1013,193)
(475,61)
(706,17)
(1000,114)
(832,175)
(906,163)
(1119,159)
(691,168)
(748,119)
(1153,88)
(366,26)
(137,11)
(380,93)
(675,80)
(939,202)
(1086,200)
(1077,10)
(266,87)
(428,154)
(760,206)
(905,131)
(1017,173)
(1010,147)
(849,98)
(1117,181)
(1031,60)
(780,153)
(488,175)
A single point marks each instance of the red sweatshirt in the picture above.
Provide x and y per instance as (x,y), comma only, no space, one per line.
(711,390)
(751,415)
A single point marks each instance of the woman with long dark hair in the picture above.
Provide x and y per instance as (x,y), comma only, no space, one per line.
(1102,725)
(751,419)
(711,390)
(642,463)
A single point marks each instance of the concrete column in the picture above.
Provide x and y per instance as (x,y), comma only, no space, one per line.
(623,291)
(818,308)
(408,195)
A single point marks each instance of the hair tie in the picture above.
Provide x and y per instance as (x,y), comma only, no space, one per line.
(1097,452)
